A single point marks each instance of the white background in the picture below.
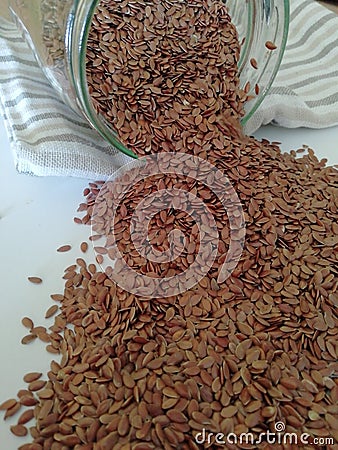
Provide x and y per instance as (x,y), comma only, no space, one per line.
(36,217)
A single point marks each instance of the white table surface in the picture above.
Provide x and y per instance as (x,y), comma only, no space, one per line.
(36,217)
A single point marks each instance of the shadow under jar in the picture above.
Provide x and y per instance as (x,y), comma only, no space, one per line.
(57,31)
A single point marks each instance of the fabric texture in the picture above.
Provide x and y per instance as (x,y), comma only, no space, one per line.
(48,138)
(305,90)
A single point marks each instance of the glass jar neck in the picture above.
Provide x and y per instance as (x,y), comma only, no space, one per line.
(256,21)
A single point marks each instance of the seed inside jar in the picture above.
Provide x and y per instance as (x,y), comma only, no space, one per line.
(175,70)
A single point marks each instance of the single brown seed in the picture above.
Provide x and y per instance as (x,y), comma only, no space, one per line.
(27,323)
(253,63)
(31,376)
(19,430)
(46,393)
(30,447)
(8,404)
(28,400)
(247,87)
(51,349)
(51,311)
(12,411)
(99,259)
(270,45)
(35,280)
(64,248)
(57,297)
(28,338)
(36,385)
(84,247)
(26,416)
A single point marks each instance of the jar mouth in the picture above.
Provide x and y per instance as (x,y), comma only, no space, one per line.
(79,27)
(263,21)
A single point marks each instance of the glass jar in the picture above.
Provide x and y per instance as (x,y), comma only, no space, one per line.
(57,31)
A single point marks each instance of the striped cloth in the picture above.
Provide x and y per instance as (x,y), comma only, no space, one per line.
(305,91)
(49,139)
(46,136)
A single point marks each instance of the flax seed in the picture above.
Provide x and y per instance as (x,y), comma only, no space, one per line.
(51,311)
(27,322)
(19,430)
(64,248)
(35,280)
(270,45)
(84,247)
(253,63)
(28,338)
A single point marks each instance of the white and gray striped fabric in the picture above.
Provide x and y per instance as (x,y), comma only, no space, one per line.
(49,139)
(305,91)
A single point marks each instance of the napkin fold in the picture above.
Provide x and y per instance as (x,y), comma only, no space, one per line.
(48,138)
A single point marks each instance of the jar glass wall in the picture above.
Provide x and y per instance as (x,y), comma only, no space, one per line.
(57,31)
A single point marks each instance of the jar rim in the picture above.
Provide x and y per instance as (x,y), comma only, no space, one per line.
(277,54)
(78,32)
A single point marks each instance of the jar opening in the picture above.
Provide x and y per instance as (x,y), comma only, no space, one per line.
(256,23)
